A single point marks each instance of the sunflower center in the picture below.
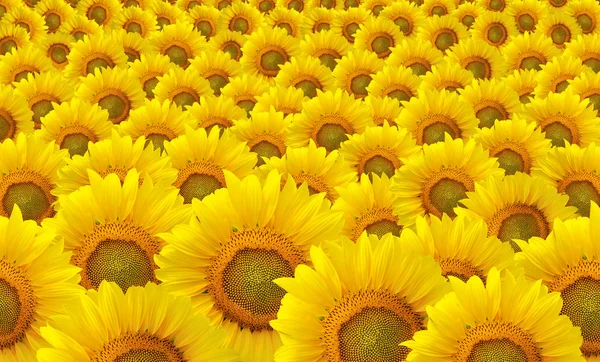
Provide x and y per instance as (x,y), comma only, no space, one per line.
(31,199)
(265,149)
(98,63)
(419,68)
(489,115)
(52,21)
(308,87)
(511,161)
(295,5)
(322,26)
(593,64)
(468,20)
(223,4)
(132,54)
(199,186)
(185,99)
(287,27)
(7,45)
(383,227)
(525,98)
(558,133)
(531,63)
(177,55)
(239,24)
(98,14)
(158,141)
(377,221)
(585,22)
(445,39)
(76,143)
(271,60)
(436,132)
(369,326)
(329,60)
(561,86)
(78,35)
(526,22)
(381,45)
(460,269)
(581,193)
(41,109)
(595,101)
(438,10)
(359,84)
(496,5)
(497,350)
(560,34)
(204,27)
(379,165)
(377,10)
(23,25)
(331,136)
(17,305)
(247,105)
(265,6)
(149,86)
(162,21)
(518,221)
(350,30)
(139,347)
(233,49)
(581,303)
(134,27)
(480,68)
(10,308)
(445,195)
(404,25)
(58,53)
(116,107)
(7,126)
(496,34)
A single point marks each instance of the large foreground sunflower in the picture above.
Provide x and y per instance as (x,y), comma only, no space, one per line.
(250,234)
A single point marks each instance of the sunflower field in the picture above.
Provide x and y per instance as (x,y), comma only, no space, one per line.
(299,180)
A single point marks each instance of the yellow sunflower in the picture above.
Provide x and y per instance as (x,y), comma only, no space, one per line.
(37,281)
(572,170)
(478,57)
(522,81)
(99,51)
(264,6)
(383,109)
(41,90)
(72,125)
(288,19)
(287,100)
(417,54)
(216,67)
(205,19)
(7,5)
(305,73)
(516,144)
(139,324)
(133,45)
(378,35)
(228,41)
(100,11)
(244,90)
(148,69)
(587,48)
(379,150)
(240,17)
(529,51)
(328,119)
(407,17)
(364,300)
(347,22)
(157,121)
(432,114)
(112,90)
(564,117)
(265,133)
(325,46)
(374,7)
(559,27)
(495,28)
(202,157)
(54,12)
(315,20)
(215,111)
(556,75)
(329,5)
(167,14)
(443,32)
(142,4)
(491,100)
(587,86)
(28,170)
(182,87)
(461,246)
(188,5)
(567,262)
(15,115)
(221,4)
(493,5)
(434,181)
(297,5)
(180,42)
(29,20)
(265,51)
(467,12)
(438,7)
(396,82)
(12,37)
(448,76)
(57,47)
(509,317)
(135,20)
(527,13)
(586,13)
(21,62)
(115,155)
(517,206)
(354,72)
(79,26)
(248,226)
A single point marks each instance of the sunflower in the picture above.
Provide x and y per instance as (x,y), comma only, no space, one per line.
(57,47)
(265,51)
(79,26)
(216,67)
(522,81)
(379,150)
(100,11)
(432,114)
(95,52)
(330,5)
(560,28)
(113,91)
(516,144)
(448,76)
(188,5)
(288,19)
(495,28)
(434,181)
(396,82)
(21,62)
(7,5)
(325,46)
(587,86)
(241,17)
(205,19)
(529,51)
(347,22)
(564,117)
(148,69)
(478,57)
(157,121)
(438,7)
(244,90)
(567,263)
(363,302)
(355,72)
(182,87)
(15,115)
(167,14)
(556,75)
(417,54)
(467,13)
(491,100)
(265,133)
(264,6)
(407,17)
(37,280)
(586,13)
(375,7)
(72,125)
(377,35)
(315,19)
(383,109)
(115,155)
(460,246)
(517,206)
(135,20)
(443,32)
(527,13)
(142,4)
(297,5)
(254,226)
(28,174)
(54,13)
(587,48)
(228,41)
(41,90)
(133,44)
(215,111)
(139,324)
(287,100)
(305,73)
(29,20)
(508,318)
(328,119)
(180,42)
(12,37)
